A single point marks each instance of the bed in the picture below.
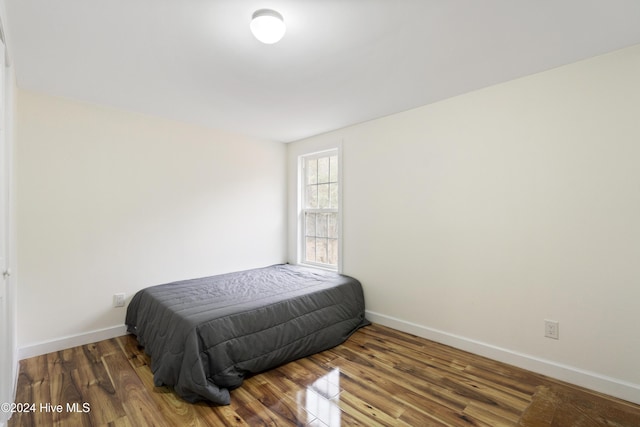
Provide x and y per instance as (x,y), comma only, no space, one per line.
(204,336)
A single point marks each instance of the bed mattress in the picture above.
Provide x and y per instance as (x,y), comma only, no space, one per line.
(204,336)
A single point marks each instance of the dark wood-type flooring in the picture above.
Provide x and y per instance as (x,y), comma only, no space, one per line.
(379,377)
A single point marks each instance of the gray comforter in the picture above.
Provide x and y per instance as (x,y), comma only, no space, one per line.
(206,335)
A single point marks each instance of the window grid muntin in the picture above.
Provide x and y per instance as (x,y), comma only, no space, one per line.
(320,214)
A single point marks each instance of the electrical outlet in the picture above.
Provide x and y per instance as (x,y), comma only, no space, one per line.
(551,329)
(118,300)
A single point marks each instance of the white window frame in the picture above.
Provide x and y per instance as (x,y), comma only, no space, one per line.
(302,210)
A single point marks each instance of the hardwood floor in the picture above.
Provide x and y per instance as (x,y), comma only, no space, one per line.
(379,377)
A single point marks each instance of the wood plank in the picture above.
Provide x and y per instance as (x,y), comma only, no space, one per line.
(256,414)
(341,379)
(490,415)
(409,357)
(95,387)
(468,386)
(285,411)
(219,415)
(172,409)
(28,379)
(139,407)
(413,390)
(439,404)
(134,352)
(360,407)
(414,417)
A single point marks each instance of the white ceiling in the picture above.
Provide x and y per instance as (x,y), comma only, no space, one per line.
(341,61)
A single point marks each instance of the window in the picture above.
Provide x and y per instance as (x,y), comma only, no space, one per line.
(320,204)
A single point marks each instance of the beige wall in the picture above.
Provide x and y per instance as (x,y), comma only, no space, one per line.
(110,201)
(474,219)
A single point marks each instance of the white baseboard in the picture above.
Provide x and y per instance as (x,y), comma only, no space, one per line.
(70,341)
(592,380)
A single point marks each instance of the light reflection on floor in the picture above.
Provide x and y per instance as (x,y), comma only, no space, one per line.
(321,398)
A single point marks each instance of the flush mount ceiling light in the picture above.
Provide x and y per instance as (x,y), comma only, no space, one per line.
(267,26)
